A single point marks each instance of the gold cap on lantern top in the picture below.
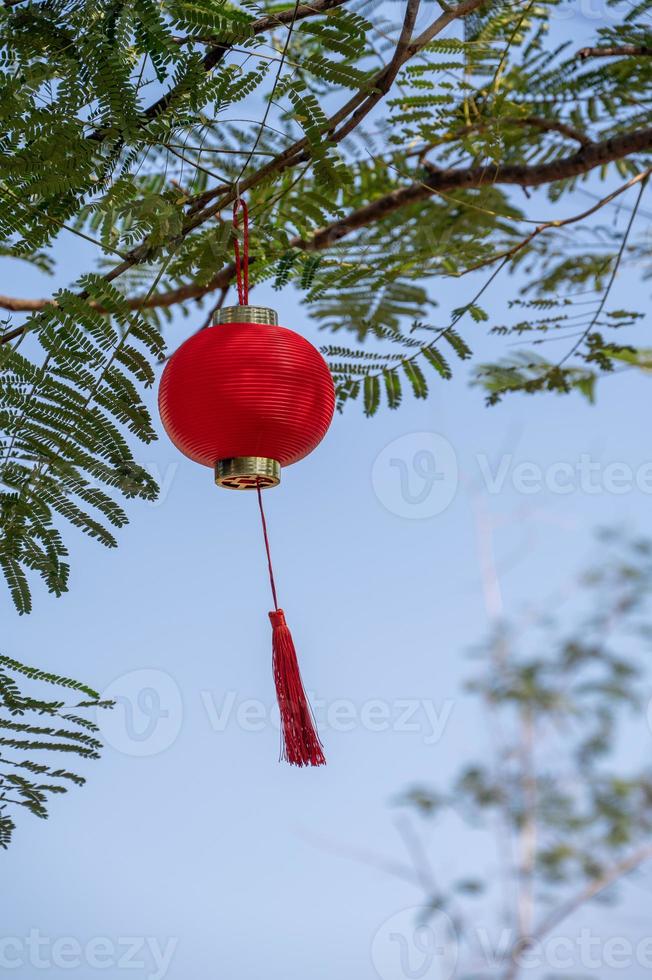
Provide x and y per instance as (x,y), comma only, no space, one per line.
(247,473)
(246,314)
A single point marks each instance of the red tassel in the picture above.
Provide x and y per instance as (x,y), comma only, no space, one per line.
(300,744)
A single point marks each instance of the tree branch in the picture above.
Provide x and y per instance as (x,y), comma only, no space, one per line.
(541,123)
(527,837)
(300,151)
(220,49)
(385,79)
(509,253)
(594,888)
(439,181)
(618,51)
(612,277)
(586,894)
(551,126)
(587,157)
(360,104)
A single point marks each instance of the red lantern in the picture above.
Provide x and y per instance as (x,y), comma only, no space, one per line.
(246,397)
(249,397)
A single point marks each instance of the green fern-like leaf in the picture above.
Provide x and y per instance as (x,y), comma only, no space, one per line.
(25,783)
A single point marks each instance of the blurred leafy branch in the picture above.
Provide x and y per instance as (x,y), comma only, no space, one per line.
(35,730)
(388,156)
(563,822)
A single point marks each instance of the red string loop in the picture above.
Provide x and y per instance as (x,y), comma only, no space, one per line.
(241,261)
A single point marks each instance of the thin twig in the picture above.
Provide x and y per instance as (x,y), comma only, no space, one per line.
(614,272)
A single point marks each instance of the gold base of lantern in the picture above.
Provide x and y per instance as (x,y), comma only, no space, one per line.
(247,473)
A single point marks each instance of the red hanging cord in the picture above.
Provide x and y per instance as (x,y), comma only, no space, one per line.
(269,556)
(241,262)
(300,743)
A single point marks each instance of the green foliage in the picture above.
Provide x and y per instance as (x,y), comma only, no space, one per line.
(35,729)
(529,372)
(132,126)
(63,423)
(372,368)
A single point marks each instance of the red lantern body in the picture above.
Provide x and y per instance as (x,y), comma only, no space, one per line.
(246,390)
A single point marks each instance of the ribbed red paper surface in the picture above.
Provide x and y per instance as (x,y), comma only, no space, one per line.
(246,389)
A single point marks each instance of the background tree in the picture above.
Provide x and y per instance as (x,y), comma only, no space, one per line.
(568,822)
(37,730)
(385,155)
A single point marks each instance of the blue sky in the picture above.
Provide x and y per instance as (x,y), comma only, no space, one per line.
(190,838)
